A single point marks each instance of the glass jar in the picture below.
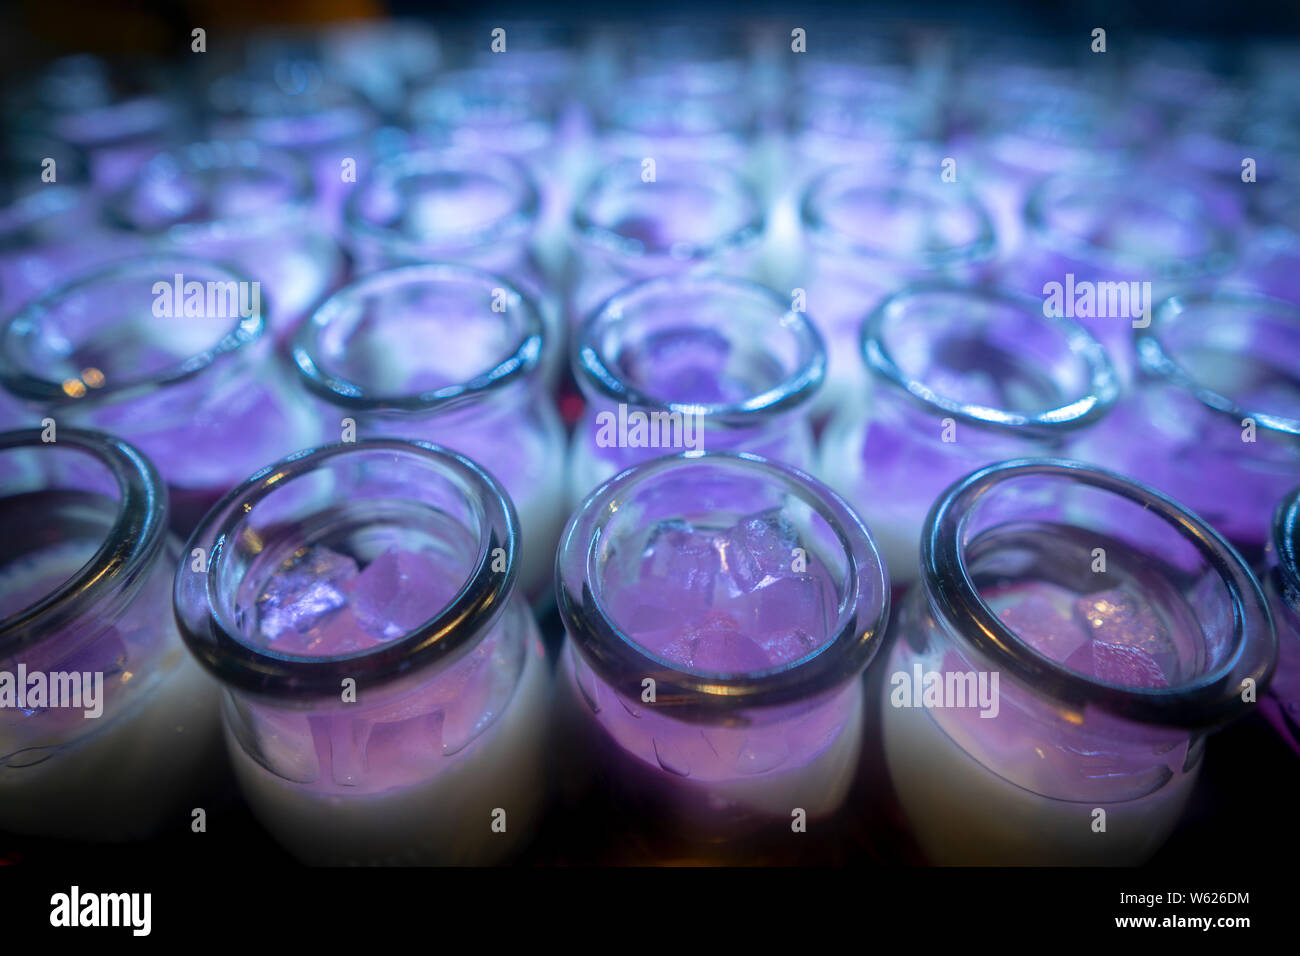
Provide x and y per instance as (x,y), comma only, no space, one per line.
(240,203)
(1282,587)
(386,695)
(1115,241)
(693,362)
(107,727)
(1215,422)
(1073,638)
(721,610)
(449,205)
(424,351)
(959,377)
(868,231)
(171,354)
(691,217)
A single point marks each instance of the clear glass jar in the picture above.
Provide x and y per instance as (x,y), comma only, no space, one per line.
(1073,638)
(959,377)
(235,202)
(721,610)
(450,205)
(692,217)
(422,351)
(124,731)
(1282,587)
(114,115)
(1114,224)
(868,231)
(1215,421)
(693,362)
(188,377)
(386,694)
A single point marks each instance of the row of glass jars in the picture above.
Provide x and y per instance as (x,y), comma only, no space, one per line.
(1043,694)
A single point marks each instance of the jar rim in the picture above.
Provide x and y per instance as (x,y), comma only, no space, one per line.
(1103,390)
(814,224)
(132,541)
(1214,260)
(592,366)
(1157,361)
(505,169)
(1286,541)
(716,175)
(239,339)
(522,360)
(1209,700)
(614,654)
(233,154)
(212,638)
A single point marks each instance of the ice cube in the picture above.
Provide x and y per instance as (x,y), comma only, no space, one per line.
(306,588)
(782,647)
(794,601)
(397,592)
(1126,665)
(1120,617)
(756,548)
(1041,624)
(714,644)
(681,564)
(331,635)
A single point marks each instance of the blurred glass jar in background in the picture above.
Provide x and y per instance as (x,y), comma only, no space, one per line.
(473,208)
(1072,640)
(50,225)
(867,231)
(1282,587)
(634,222)
(693,362)
(114,115)
(959,377)
(720,611)
(286,100)
(451,355)
(239,203)
(107,726)
(1115,241)
(170,353)
(386,693)
(1215,419)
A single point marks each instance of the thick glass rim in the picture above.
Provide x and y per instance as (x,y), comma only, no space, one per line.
(217,154)
(1286,542)
(715,175)
(240,337)
(859,626)
(1211,699)
(1157,362)
(522,359)
(507,170)
(134,539)
(593,367)
(1103,390)
(1215,260)
(815,226)
(212,638)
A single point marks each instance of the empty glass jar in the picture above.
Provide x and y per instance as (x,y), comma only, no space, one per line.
(1282,586)
(386,694)
(1072,640)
